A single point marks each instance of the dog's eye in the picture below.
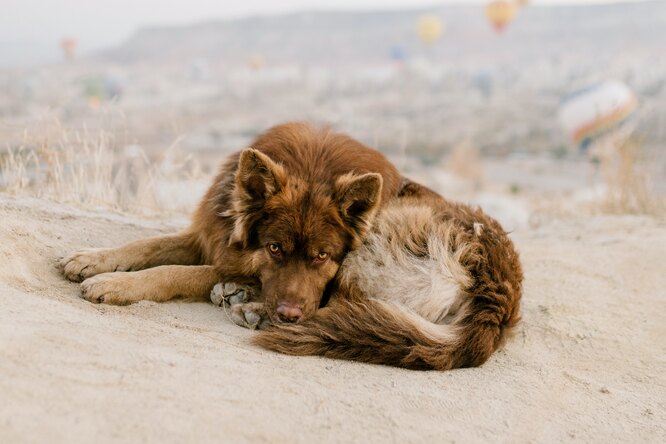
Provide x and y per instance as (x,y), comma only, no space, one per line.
(321,257)
(274,249)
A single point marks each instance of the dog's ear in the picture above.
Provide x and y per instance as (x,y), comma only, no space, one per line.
(358,197)
(257,178)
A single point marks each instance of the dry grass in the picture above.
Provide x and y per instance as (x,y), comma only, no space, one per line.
(93,169)
(619,182)
(101,169)
(626,175)
(465,162)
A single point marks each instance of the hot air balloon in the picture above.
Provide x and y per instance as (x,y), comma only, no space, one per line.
(429,28)
(68,46)
(589,114)
(397,54)
(500,13)
(522,3)
(256,62)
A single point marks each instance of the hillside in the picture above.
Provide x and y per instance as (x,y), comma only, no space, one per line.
(330,37)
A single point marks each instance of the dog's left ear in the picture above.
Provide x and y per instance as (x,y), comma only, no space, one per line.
(258,177)
(358,197)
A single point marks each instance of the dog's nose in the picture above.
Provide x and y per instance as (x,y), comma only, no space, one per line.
(289,312)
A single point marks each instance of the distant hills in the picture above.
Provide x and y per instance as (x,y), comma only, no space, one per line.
(599,32)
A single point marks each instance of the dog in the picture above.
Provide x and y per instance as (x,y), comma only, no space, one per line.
(280,216)
(348,259)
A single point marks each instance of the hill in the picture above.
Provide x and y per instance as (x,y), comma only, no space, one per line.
(350,37)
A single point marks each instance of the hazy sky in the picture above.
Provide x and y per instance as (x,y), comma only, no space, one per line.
(30,30)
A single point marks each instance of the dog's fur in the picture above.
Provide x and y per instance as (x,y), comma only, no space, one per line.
(309,191)
(414,280)
(434,286)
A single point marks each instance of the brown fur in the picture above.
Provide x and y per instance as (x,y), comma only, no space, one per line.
(366,328)
(310,191)
(307,189)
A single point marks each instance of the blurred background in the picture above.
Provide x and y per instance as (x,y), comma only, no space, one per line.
(532,109)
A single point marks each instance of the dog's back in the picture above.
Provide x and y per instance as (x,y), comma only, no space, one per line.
(320,156)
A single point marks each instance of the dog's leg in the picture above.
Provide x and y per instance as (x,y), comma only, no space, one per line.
(177,249)
(157,284)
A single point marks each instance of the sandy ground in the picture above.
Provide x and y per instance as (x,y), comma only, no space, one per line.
(588,363)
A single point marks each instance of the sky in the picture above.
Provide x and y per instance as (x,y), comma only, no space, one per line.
(30,30)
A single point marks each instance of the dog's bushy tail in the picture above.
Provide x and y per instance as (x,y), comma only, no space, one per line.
(377,332)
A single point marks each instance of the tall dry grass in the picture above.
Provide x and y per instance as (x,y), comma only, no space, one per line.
(465,162)
(91,168)
(97,168)
(626,175)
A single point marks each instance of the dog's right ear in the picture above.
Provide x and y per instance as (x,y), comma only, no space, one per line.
(257,178)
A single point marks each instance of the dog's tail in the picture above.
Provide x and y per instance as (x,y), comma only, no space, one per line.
(378,332)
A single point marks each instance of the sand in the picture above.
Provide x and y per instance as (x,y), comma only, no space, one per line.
(587,364)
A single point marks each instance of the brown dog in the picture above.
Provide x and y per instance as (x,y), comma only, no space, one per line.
(280,216)
(414,280)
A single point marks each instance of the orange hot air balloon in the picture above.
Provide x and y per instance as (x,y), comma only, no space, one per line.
(69,46)
(500,13)
(256,62)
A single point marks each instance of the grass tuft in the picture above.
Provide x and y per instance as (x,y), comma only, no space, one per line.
(90,168)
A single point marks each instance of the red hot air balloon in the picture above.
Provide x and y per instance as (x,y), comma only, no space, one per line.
(500,13)
(69,46)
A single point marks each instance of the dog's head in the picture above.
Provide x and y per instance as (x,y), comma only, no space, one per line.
(298,232)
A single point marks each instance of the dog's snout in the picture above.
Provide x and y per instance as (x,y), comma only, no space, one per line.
(289,312)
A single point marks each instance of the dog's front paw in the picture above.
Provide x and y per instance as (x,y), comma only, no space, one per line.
(229,293)
(83,264)
(113,288)
(250,315)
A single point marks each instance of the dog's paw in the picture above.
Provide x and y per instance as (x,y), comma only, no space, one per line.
(250,315)
(112,288)
(83,264)
(230,293)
